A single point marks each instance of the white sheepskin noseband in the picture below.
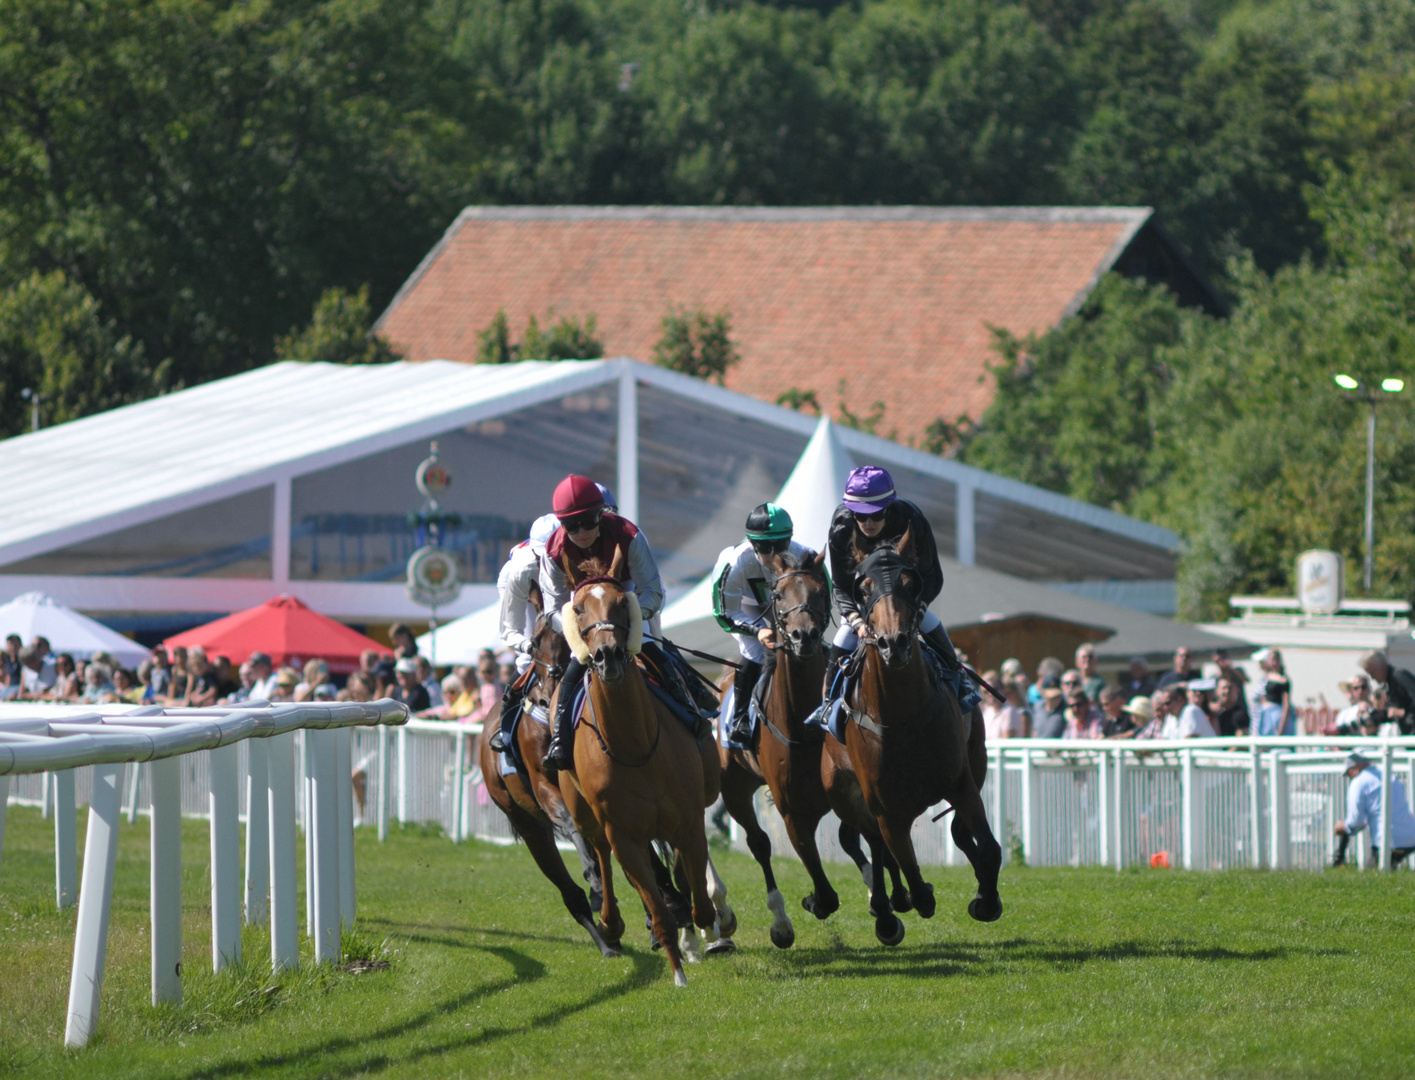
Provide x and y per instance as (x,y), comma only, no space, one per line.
(581,651)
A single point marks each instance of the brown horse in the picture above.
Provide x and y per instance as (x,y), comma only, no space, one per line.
(908,746)
(639,775)
(532,803)
(787,757)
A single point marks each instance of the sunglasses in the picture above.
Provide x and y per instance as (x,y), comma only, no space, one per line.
(770,547)
(878,515)
(581,522)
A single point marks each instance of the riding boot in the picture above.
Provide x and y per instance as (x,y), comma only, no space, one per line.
(938,638)
(748,672)
(561,752)
(1343,840)
(837,657)
(510,707)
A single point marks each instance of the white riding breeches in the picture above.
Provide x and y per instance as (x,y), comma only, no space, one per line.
(750,648)
(845,638)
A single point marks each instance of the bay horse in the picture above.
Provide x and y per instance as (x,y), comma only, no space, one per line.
(907,747)
(532,803)
(639,774)
(787,755)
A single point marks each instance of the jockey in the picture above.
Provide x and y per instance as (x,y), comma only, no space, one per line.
(870,517)
(741,594)
(587,530)
(518,618)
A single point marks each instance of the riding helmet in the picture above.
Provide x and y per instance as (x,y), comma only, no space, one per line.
(769,522)
(576,495)
(869,489)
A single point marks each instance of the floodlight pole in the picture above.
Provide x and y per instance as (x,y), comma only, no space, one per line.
(1370,491)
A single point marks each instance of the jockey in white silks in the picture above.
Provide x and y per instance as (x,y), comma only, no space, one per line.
(741,596)
(518,617)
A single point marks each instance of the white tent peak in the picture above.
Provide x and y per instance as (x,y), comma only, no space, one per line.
(812,491)
(33,614)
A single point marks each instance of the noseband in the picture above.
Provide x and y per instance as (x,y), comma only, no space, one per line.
(603,624)
(886,569)
(780,614)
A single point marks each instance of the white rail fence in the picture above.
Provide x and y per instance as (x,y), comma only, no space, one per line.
(214,763)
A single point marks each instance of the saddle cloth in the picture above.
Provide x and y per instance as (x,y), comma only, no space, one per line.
(832,715)
(511,757)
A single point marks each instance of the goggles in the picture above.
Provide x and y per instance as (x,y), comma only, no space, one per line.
(771,547)
(878,515)
(582,522)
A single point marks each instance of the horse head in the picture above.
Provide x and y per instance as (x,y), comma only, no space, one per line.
(551,653)
(800,601)
(891,589)
(603,624)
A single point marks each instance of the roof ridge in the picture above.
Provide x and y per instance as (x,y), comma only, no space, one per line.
(881,214)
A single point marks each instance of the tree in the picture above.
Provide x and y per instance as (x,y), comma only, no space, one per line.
(697,343)
(340,331)
(567,339)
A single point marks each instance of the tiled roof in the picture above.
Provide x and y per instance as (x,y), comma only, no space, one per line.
(895,304)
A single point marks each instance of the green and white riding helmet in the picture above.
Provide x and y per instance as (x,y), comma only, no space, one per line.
(769,526)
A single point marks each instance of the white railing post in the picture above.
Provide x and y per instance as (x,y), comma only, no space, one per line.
(307,771)
(1255,806)
(1031,808)
(344,794)
(46,795)
(459,772)
(384,775)
(1120,808)
(133,793)
(225,859)
(280,789)
(323,836)
(1387,764)
(1280,823)
(1186,818)
(999,781)
(91,935)
(257,831)
(1102,759)
(66,839)
(403,769)
(165,863)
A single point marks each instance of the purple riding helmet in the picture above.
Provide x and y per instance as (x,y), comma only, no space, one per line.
(869,490)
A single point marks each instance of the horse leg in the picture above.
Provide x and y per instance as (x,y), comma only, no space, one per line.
(677,893)
(895,831)
(717,889)
(899,898)
(850,844)
(694,861)
(983,851)
(823,901)
(738,798)
(889,928)
(589,863)
(540,842)
(638,868)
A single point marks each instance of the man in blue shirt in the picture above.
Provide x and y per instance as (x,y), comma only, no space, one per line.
(1363,808)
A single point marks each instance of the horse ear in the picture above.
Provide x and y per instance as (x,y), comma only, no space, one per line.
(819,562)
(616,566)
(534,597)
(905,542)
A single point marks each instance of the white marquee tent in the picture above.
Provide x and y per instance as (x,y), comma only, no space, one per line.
(34,614)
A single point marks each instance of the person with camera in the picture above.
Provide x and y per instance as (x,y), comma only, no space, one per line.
(1400,689)
(1364,810)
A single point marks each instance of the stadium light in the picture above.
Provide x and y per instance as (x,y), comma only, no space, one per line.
(1366,395)
(1392,386)
(1346,382)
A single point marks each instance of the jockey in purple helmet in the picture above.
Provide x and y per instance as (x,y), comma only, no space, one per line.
(872,516)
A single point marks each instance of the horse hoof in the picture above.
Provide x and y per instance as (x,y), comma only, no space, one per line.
(989,910)
(679,979)
(821,907)
(723,946)
(727,922)
(611,940)
(924,903)
(900,900)
(609,952)
(783,938)
(888,936)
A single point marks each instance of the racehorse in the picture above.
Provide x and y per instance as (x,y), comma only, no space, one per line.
(532,802)
(639,773)
(787,757)
(907,747)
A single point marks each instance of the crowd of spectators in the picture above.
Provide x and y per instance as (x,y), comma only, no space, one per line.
(189,677)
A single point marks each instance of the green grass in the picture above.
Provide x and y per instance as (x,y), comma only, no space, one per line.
(1089,973)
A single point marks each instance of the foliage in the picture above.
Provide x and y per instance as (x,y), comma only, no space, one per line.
(568,339)
(340,331)
(800,400)
(697,343)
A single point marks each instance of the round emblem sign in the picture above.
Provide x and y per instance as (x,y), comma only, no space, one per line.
(432,577)
(1321,582)
(433,478)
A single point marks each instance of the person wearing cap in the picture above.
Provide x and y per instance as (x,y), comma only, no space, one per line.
(741,596)
(1141,711)
(1363,809)
(409,688)
(1400,689)
(1191,721)
(870,516)
(587,531)
(518,617)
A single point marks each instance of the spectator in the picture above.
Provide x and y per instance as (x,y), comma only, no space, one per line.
(262,677)
(377,670)
(1139,683)
(1363,808)
(125,687)
(1011,720)
(11,670)
(1400,690)
(177,687)
(1231,711)
(1270,664)
(203,688)
(242,692)
(360,687)
(1189,719)
(451,693)
(1050,668)
(489,672)
(428,678)
(1228,669)
(1115,720)
(1083,718)
(508,672)
(1013,671)
(286,679)
(404,644)
(1049,714)
(66,680)
(409,689)
(227,682)
(326,691)
(316,675)
(159,679)
(1275,714)
(1091,680)
(1149,714)
(98,684)
(38,672)
(1181,672)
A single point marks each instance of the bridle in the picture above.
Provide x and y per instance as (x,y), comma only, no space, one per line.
(779,614)
(885,569)
(602,624)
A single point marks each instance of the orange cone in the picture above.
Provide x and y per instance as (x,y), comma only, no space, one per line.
(1160,860)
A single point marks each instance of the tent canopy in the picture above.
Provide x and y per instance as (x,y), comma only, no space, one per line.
(286,631)
(461,641)
(35,614)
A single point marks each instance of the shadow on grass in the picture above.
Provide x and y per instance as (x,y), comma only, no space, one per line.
(366,1045)
(456,936)
(940,959)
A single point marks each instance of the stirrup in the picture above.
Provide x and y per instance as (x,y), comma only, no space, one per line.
(496,742)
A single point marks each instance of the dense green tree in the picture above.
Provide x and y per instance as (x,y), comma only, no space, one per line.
(697,343)
(340,331)
(567,339)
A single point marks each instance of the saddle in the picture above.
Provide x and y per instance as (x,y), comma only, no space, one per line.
(688,714)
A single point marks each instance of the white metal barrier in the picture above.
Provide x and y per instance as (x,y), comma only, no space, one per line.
(193,756)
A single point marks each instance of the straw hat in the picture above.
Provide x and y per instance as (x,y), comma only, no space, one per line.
(1142,708)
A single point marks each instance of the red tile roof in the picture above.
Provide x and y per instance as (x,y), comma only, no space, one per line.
(895,303)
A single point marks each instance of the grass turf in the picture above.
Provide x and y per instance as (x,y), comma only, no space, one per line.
(1089,973)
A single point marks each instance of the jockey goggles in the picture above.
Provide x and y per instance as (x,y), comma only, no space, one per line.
(878,515)
(776,546)
(582,522)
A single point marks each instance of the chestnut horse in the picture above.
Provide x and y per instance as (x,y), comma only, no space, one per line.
(787,757)
(907,747)
(532,802)
(639,774)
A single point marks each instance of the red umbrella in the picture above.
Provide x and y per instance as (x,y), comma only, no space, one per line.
(285,630)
